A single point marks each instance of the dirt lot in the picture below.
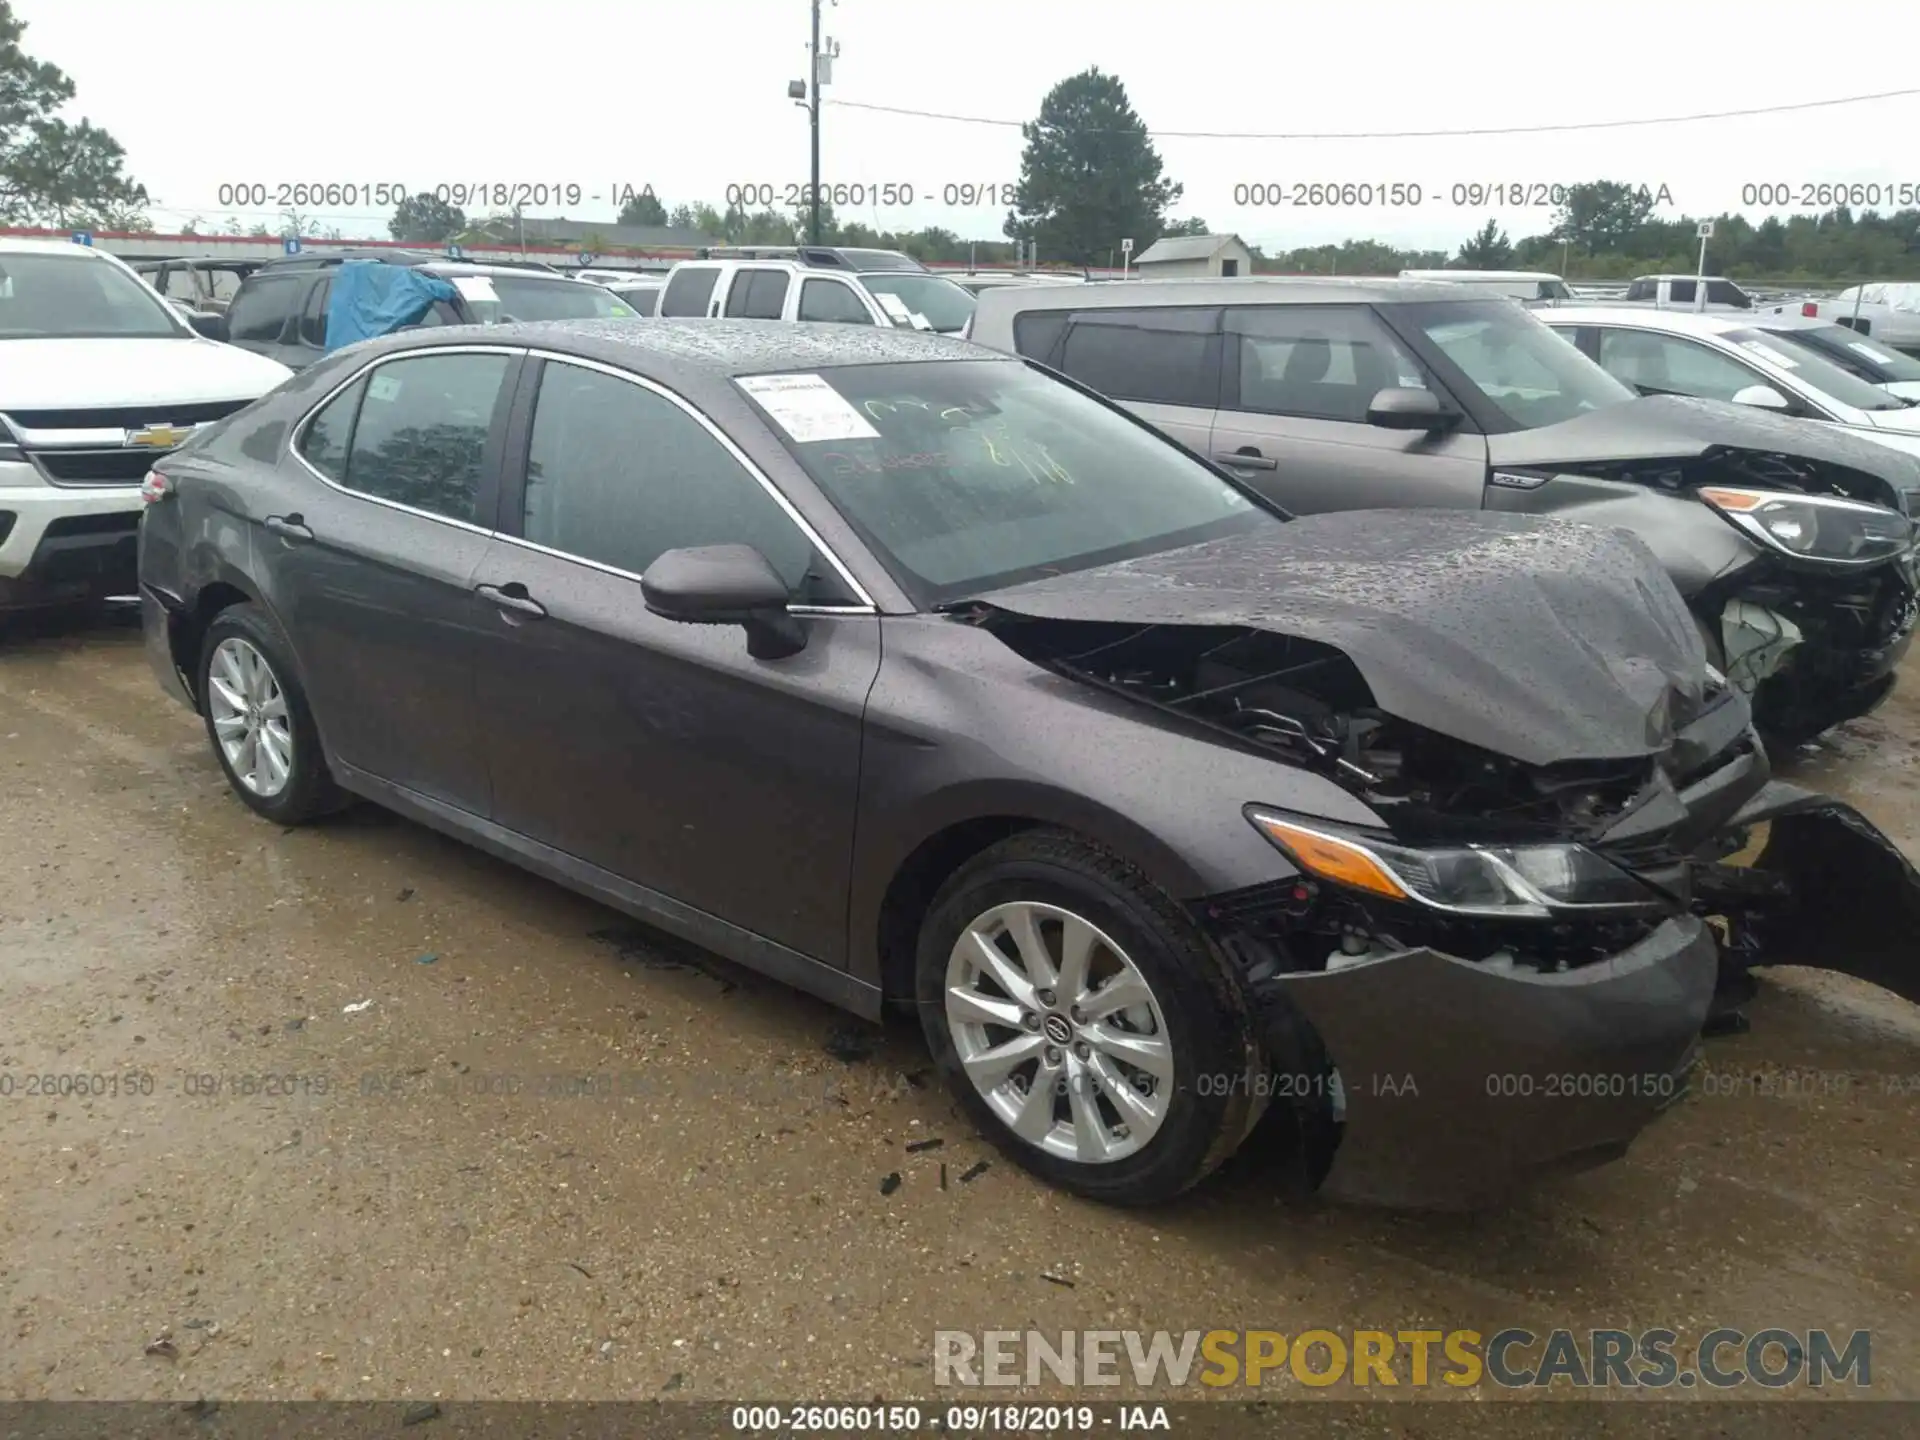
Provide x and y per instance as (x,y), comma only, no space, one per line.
(714,1219)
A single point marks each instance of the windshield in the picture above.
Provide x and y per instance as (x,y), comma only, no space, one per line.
(1814,371)
(944,305)
(497,299)
(1878,363)
(969,475)
(1527,375)
(78,296)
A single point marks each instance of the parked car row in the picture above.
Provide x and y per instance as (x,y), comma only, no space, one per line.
(1195,701)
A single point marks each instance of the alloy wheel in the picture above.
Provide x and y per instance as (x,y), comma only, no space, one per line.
(250,718)
(1059,1032)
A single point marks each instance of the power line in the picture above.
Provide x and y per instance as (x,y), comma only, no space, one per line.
(1396,134)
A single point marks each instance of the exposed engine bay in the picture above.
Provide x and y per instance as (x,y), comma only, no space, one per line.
(1307,702)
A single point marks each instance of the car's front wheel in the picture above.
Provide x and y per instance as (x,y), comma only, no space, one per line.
(258,720)
(1083,1022)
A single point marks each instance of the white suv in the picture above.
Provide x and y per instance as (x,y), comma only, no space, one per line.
(774,289)
(99,377)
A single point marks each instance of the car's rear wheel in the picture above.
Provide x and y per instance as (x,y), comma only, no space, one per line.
(257,718)
(1083,1022)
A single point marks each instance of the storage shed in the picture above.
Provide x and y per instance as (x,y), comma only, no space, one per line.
(1178,256)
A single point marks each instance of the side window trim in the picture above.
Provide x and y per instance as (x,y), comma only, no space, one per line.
(487,499)
(513,482)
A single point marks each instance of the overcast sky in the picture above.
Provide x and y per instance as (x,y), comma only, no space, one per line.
(691,98)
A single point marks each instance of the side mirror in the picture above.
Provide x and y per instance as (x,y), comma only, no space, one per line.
(1762,397)
(212,327)
(726,585)
(1398,408)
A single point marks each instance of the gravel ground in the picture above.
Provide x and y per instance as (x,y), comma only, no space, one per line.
(421,1208)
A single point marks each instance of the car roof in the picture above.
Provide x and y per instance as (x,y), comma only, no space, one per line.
(819,257)
(1459,275)
(1768,320)
(1710,279)
(1679,322)
(476,267)
(47,247)
(714,349)
(1244,290)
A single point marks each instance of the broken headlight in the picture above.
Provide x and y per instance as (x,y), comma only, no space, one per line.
(1518,882)
(1814,527)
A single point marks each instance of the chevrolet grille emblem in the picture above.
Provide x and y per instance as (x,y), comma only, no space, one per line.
(158,437)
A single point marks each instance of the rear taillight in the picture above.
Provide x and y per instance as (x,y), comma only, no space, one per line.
(155,487)
(1810,310)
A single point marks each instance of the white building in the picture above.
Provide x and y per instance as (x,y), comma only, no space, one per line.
(1178,257)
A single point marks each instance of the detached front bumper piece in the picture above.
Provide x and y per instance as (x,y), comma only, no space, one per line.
(1461,1083)
(1848,899)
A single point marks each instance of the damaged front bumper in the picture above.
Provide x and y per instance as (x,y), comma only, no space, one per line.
(1452,1081)
(1461,1083)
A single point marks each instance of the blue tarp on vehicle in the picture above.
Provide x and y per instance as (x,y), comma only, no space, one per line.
(371,298)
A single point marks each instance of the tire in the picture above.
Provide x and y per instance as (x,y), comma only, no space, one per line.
(307,790)
(1196,1015)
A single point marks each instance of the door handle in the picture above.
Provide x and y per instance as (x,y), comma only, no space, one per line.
(1246,458)
(292,527)
(513,597)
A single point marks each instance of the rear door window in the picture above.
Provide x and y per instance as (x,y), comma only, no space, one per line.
(757,294)
(1157,356)
(422,431)
(1037,334)
(259,312)
(688,290)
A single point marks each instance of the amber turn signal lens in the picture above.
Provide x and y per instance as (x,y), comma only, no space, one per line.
(1327,857)
(1737,501)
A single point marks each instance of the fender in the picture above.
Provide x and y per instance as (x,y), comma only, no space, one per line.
(886,839)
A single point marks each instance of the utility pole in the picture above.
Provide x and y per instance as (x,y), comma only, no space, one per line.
(1705,232)
(806,94)
(813,108)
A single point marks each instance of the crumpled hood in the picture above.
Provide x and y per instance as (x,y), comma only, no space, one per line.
(1681,427)
(1540,639)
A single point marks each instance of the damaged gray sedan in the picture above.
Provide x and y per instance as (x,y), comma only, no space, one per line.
(913,676)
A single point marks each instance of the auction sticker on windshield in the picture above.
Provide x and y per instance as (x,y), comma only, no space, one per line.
(477,288)
(808,408)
